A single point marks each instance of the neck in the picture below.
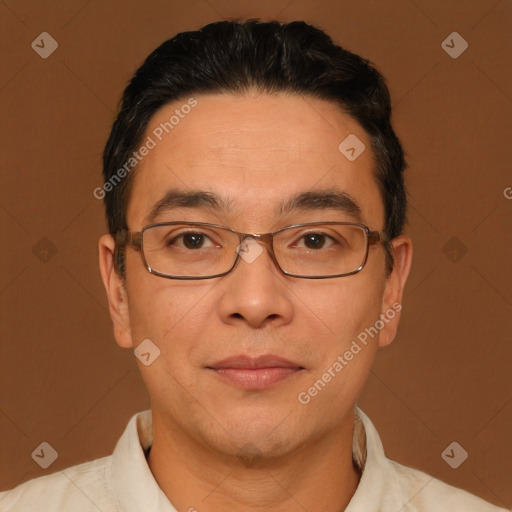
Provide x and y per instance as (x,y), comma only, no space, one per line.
(318,475)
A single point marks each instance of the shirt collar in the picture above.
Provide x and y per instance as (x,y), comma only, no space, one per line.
(134,485)
(136,488)
(378,489)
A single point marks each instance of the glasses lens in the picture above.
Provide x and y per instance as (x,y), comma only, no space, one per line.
(321,250)
(185,250)
(194,251)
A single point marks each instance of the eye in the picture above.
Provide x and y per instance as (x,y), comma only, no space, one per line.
(316,241)
(191,240)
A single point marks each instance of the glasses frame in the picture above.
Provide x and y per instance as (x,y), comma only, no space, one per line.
(135,240)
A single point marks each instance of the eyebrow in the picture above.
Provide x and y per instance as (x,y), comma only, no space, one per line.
(327,199)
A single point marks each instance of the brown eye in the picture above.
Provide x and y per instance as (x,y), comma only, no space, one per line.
(314,240)
(193,240)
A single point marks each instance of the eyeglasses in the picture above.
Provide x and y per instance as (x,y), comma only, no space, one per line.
(199,250)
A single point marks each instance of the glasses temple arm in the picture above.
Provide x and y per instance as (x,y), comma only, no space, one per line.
(124,237)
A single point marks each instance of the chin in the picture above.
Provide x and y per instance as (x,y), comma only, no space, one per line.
(254,433)
(257,447)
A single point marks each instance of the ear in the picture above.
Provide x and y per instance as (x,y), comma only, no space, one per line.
(116,292)
(394,288)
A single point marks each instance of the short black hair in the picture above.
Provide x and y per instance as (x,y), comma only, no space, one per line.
(270,57)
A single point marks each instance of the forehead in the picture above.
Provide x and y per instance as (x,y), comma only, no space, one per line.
(254,151)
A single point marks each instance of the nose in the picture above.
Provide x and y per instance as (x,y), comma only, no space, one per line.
(255,291)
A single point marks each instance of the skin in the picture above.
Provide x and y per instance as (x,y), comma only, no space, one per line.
(255,149)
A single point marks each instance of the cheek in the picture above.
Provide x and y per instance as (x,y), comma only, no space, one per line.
(345,306)
(345,355)
(168,312)
(175,318)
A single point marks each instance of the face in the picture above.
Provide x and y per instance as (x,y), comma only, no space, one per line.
(255,152)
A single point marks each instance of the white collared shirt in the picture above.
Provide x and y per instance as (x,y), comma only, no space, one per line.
(123,482)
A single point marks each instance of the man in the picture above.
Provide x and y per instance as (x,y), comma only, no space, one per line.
(255,262)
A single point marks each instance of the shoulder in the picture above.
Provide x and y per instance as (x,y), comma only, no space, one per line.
(85,487)
(423,492)
(393,486)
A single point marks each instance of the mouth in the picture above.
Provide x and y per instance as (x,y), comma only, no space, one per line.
(255,373)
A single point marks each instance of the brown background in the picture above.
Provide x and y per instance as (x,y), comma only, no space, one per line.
(445,378)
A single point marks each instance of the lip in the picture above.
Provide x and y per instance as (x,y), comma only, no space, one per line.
(255,373)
